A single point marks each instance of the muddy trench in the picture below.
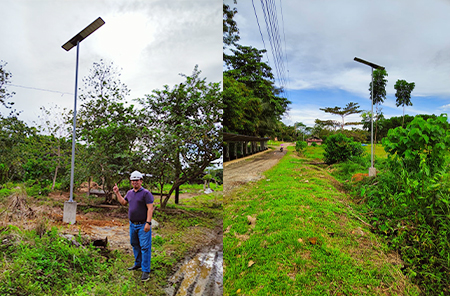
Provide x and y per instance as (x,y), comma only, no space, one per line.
(202,272)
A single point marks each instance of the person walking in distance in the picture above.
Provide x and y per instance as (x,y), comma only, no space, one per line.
(140,212)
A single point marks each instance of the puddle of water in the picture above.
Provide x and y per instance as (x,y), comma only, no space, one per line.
(201,275)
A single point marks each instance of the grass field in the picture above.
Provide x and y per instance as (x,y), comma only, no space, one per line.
(296,233)
(317,152)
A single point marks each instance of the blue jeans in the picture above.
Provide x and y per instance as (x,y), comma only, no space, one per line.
(141,242)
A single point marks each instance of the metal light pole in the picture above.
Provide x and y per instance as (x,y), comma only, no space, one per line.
(372,171)
(70,207)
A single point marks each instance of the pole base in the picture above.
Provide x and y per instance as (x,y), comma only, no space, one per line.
(70,212)
(372,172)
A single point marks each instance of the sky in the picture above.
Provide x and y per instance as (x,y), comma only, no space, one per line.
(320,39)
(149,41)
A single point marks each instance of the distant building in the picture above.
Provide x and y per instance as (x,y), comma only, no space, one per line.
(316,140)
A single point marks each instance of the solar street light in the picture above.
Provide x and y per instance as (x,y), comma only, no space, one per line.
(372,171)
(70,208)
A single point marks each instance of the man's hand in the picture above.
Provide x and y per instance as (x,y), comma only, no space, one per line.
(147,227)
(116,189)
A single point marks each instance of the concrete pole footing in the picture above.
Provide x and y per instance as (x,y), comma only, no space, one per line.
(70,212)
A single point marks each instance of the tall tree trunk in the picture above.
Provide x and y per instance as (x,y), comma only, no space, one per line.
(161,196)
(54,177)
(177,173)
(376,125)
(89,186)
(57,167)
(403,122)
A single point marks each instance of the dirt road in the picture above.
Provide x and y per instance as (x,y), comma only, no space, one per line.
(242,171)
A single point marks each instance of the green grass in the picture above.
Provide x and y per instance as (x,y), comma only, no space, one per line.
(271,142)
(190,188)
(195,188)
(378,151)
(315,153)
(306,239)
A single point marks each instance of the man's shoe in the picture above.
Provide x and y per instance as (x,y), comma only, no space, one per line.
(134,267)
(145,276)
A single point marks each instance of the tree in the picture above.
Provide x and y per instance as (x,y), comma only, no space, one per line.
(351,108)
(403,94)
(53,122)
(333,124)
(378,118)
(321,129)
(13,137)
(300,127)
(5,78)
(286,133)
(379,92)
(230,29)
(245,65)
(160,159)
(241,108)
(189,117)
(109,128)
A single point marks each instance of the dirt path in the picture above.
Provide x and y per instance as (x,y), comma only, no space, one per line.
(239,172)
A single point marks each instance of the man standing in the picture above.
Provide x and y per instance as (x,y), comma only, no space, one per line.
(140,213)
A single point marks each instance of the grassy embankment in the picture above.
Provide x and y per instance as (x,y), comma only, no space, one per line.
(41,262)
(296,233)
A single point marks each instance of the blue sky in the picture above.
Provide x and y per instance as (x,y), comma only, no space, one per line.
(320,38)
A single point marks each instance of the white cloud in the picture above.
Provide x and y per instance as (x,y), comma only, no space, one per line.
(410,38)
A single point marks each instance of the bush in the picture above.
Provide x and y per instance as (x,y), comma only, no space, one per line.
(339,148)
(300,146)
(37,190)
(157,241)
(314,144)
(4,192)
(409,202)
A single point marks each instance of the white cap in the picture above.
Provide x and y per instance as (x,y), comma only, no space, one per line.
(135,176)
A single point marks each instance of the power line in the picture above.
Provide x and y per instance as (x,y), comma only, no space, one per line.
(273,32)
(285,47)
(42,89)
(257,21)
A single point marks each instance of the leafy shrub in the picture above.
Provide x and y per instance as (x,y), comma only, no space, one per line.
(410,200)
(300,146)
(314,144)
(157,241)
(37,190)
(423,144)
(58,185)
(9,185)
(339,148)
(4,192)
